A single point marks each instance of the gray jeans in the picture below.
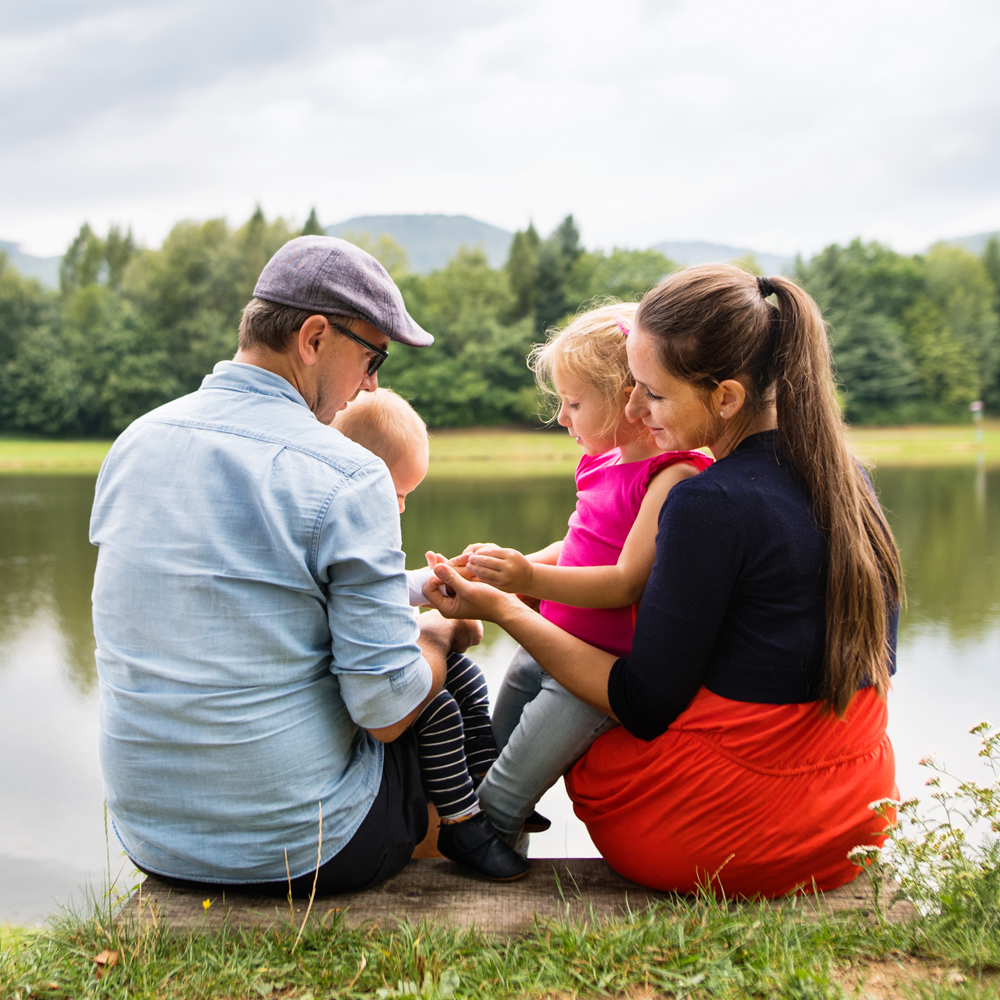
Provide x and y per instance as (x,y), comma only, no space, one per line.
(541,730)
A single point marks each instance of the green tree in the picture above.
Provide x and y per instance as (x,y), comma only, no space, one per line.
(192,291)
(522,271)
(82,263)
(312,226)
(622,274)
(24,305)
(557,256)
(863,290)
(961,287)
(877,373)
(991,262)
(118,251)
(475,373)
(948,372)
(41,386)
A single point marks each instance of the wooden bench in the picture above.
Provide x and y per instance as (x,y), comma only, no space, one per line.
(438,890)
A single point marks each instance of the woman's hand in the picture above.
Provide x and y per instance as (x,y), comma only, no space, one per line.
(471,600)
(505,569)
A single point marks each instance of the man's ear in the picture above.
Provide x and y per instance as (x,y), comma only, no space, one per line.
(311,335)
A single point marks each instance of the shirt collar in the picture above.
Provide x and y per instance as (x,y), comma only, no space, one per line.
(250,378)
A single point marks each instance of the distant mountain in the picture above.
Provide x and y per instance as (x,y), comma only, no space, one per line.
(974,244)
(431,240)
(696,252)
(45,269)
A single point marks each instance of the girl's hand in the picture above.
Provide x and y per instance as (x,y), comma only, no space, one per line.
(505,569)
(476,546)
(470,600)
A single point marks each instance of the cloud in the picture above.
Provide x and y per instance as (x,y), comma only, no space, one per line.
(781,125)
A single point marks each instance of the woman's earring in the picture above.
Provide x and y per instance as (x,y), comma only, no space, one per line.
(721,414)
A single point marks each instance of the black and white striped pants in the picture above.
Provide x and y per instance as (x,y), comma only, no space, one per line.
(455,739)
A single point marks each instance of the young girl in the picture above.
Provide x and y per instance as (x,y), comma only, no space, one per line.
(589,581)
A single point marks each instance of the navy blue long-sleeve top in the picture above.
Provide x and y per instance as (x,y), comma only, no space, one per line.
(736,597)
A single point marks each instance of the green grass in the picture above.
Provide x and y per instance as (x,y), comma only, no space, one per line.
(502,453)
(37,455)
(691,947)
(928,445)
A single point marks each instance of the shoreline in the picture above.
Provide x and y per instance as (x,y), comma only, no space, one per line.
(490,452)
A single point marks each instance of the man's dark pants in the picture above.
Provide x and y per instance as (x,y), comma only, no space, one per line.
(381,847)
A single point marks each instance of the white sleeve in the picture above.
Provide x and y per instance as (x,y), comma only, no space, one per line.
(415,580)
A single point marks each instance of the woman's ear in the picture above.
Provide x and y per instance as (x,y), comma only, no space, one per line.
(728,398)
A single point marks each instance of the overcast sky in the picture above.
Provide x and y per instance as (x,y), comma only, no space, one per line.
(781,124)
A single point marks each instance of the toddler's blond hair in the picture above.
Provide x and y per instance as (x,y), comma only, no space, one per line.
(590,351)
(384,423)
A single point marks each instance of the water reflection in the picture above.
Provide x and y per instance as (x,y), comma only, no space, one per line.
(947,523)
(47,563)
(446,515)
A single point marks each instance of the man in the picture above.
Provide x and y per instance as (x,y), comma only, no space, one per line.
(258,661)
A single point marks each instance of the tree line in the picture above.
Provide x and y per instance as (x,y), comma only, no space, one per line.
(914,337)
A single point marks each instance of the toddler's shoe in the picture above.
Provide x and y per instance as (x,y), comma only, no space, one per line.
(476,845)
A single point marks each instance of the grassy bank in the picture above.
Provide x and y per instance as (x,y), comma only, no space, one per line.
(688,948)
(493,452)
(697,947)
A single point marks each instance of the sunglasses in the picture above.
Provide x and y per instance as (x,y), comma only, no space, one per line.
(380,355)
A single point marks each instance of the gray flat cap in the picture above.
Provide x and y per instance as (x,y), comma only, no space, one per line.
(337,278)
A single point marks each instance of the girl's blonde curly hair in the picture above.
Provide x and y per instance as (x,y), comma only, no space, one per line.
(590,351)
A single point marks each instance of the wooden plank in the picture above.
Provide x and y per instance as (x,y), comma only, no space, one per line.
(441,891)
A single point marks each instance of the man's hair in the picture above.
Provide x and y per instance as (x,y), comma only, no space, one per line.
(270,325)
(384,423)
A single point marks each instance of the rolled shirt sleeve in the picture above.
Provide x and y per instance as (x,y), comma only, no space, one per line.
(374,653)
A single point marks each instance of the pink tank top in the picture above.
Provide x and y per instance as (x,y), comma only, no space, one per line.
(608,497)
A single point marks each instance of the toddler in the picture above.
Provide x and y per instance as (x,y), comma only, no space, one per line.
(589,581)
(454,736)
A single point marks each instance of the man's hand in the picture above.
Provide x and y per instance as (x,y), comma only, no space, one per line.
(505,569)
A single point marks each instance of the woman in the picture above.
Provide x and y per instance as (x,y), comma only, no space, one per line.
(752,705)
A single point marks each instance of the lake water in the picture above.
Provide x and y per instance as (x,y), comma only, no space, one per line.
(52,837)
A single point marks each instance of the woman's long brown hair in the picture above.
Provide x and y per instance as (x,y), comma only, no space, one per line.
(712,323)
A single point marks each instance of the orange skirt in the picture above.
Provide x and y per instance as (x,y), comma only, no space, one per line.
(756,800)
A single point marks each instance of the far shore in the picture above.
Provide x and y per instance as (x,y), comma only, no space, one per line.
(491,452)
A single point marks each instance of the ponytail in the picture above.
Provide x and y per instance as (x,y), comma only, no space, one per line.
(863,570)
(713,322)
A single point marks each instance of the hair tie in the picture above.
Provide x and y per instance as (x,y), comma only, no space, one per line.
(765,286)
(620,320)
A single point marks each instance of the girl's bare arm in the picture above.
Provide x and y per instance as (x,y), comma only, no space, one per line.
(586,586)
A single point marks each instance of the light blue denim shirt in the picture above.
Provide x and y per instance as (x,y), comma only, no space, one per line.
(251,613)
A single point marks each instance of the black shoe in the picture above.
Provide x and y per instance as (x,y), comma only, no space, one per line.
(536,823)
(475,844)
